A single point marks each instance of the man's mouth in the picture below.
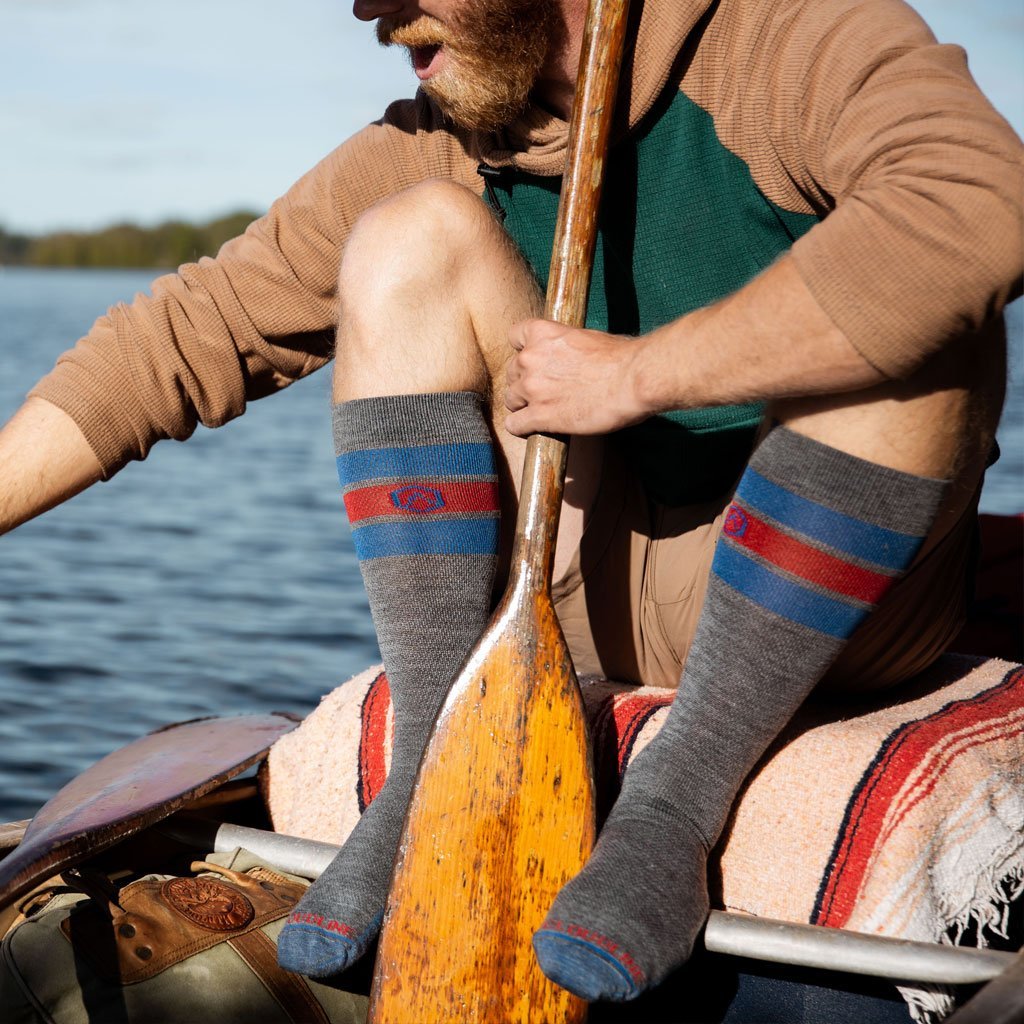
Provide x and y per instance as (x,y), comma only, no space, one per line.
(426,60)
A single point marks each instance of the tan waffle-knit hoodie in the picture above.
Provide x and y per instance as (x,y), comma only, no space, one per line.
(844,110)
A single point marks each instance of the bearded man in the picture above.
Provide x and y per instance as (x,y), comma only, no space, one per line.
(811,226)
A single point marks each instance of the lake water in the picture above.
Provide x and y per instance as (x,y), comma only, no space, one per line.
(217,577)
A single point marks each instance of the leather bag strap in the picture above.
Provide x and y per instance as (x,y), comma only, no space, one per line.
(289,989)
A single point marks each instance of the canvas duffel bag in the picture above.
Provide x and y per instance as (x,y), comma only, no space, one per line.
(165,950)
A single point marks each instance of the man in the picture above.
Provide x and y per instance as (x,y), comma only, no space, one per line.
(812,223)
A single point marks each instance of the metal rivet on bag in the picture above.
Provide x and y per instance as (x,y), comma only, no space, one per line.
(143,952)
(126,931)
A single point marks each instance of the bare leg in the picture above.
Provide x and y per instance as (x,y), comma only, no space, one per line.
(430,285)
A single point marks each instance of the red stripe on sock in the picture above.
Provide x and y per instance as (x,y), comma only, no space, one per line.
(747,530)
(319,921)
(421,497)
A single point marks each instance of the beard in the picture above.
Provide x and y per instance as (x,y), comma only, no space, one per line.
(494,53)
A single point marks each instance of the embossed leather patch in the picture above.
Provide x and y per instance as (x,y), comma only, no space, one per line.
(153,929)
(208,903)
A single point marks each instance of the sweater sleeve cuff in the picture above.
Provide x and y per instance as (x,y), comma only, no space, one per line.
(106,416)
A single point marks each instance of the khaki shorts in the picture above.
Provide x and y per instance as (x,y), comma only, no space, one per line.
(630,599)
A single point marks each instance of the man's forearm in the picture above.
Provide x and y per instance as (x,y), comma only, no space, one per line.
(770,340)
(44,460)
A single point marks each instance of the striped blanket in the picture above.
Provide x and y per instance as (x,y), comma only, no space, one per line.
(904,817)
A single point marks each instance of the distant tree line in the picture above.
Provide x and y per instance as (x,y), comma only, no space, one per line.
(123,245)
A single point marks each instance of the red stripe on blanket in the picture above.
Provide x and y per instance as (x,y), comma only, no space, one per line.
(373,729)
(421,497)
(903,753)
(629,716)
(990,732)
(841,577)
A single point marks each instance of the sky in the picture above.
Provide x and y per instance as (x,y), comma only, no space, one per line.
(143,109)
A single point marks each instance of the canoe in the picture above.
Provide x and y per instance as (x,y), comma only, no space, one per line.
(189,797)
(754,961)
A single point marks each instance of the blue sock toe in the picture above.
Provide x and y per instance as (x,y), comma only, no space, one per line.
(585,968)
(316,952)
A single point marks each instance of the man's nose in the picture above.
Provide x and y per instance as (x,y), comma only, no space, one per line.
(367,10)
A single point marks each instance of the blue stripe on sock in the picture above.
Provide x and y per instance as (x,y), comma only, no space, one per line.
(416,460)
(430,537)
(863,540)
(784,597)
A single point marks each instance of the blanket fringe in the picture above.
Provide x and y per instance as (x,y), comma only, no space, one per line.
(928,1004)
(989,912)
(986,917)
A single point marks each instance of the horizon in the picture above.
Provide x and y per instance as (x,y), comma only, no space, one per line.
(107,121)
(200,222)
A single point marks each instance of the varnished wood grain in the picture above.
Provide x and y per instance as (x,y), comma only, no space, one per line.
(503,811)
(503,817)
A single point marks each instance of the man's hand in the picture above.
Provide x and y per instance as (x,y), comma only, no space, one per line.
(563,380)
(768,341)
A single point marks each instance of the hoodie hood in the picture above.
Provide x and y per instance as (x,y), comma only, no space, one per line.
(538,140)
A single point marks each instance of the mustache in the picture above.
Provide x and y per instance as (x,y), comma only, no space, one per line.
(423,31)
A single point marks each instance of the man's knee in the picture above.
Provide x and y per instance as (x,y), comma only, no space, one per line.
(416,239)
(411,284)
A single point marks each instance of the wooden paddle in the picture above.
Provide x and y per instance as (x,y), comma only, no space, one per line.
(502,814)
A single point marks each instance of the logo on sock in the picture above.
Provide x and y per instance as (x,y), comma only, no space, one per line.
(735,522)
(417,499)
(318,921)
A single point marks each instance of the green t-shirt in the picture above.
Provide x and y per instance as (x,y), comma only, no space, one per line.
(682,225)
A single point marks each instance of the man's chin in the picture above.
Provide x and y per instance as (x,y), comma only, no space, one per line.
(473,108)
(483,122)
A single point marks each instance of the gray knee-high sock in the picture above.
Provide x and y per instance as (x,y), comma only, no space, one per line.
(813,539)
(421,492)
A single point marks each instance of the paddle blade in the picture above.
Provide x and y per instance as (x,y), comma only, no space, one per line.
(132,788)
(501,818)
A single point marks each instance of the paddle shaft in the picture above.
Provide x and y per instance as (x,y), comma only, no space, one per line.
(572,258)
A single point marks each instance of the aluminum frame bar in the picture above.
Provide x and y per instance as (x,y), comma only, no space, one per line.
(754,938)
